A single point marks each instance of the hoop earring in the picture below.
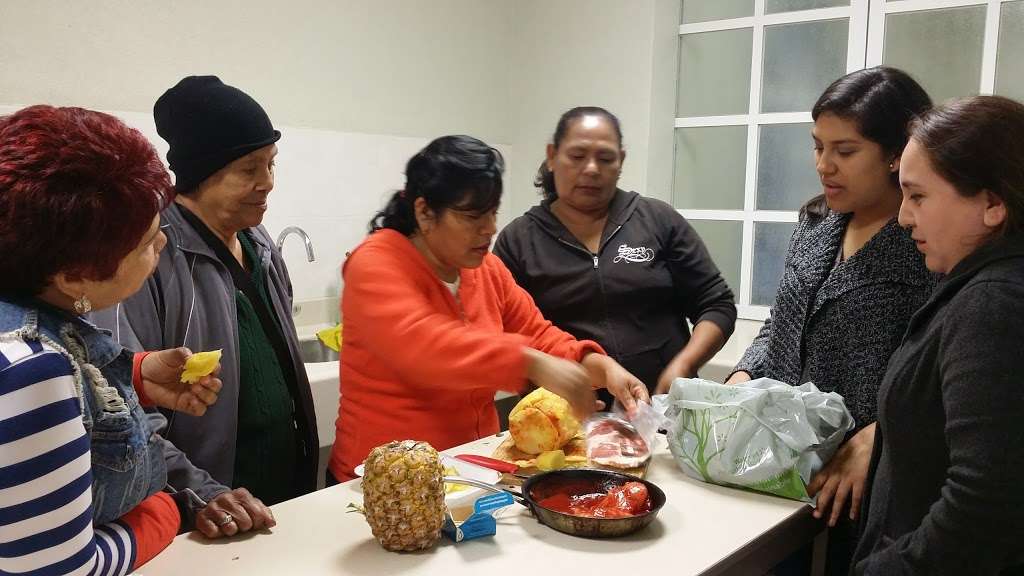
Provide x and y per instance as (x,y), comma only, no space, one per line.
(83,306)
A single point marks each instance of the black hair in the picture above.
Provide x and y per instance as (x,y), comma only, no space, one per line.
(545,180)
(881,101)
(457,172)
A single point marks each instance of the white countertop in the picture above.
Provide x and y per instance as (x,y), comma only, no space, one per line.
(703,529)
(323,383)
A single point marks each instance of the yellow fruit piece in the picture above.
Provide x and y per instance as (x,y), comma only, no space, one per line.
(331,337)
(542,421)
(200,364)
(449,488)
(551,460)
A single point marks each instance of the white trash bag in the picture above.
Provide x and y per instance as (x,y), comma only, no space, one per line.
(762,435)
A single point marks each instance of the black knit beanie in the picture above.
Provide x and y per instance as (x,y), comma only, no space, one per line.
(208,125)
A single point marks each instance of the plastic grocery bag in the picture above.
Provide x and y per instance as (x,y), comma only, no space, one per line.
(761,435)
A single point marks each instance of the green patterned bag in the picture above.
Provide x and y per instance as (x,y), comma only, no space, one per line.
(761,435)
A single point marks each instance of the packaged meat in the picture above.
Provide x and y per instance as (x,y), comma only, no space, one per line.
(612,441)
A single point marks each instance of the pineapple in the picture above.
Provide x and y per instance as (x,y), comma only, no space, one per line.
(551,460)
(403,495)
(542,421)
(200,364)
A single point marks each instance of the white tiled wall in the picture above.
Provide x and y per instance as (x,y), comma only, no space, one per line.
(330,184)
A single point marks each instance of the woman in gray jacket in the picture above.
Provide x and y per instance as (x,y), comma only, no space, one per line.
(221,284)
(852,276)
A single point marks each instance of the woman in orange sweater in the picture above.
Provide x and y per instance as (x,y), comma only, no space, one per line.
(435,324)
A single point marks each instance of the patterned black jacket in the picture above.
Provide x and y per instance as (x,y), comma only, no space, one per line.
(837,325)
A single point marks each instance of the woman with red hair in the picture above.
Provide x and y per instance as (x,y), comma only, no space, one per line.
(81,473)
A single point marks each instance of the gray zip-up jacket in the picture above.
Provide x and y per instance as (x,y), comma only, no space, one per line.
(190,301)
(650,274)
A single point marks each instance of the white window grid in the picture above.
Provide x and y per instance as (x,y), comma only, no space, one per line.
(865,46)
(990,43)
(856,14)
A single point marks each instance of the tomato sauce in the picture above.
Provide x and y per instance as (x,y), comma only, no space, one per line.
(630,499)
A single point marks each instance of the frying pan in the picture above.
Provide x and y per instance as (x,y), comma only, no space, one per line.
(540,486)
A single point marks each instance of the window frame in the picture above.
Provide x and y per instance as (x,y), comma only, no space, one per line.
(865,48)
(990,41)
(857,15)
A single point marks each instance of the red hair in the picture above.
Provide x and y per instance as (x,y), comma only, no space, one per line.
(78,190)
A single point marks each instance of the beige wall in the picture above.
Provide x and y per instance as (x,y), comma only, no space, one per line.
(502,70)
(594,52)
(404,67)
(665,65)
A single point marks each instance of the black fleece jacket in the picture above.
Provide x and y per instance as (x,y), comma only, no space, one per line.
(651,273)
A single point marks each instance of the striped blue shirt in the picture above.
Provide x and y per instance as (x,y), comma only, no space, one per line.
(45,478)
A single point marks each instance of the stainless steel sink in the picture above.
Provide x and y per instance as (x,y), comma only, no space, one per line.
(315,351)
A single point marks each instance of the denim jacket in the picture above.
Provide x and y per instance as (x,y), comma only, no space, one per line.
(127,459)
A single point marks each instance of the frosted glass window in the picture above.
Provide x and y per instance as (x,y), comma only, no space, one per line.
(704,10)
(773,6)
(786,177)
(941,49)
(724,241)
(714,73)
(795,74)
(771,239)
(1010,54)
(709,170)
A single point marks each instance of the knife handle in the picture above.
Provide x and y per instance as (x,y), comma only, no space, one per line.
(492,463)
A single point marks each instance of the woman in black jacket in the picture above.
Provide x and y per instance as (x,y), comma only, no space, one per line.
(852,278)
(945,494)
(613,266)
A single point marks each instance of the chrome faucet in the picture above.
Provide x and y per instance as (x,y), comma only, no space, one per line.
(302,234)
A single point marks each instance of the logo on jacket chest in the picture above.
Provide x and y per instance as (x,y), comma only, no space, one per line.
(637,254)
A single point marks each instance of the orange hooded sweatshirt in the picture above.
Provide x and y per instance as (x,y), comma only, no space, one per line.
(419,364)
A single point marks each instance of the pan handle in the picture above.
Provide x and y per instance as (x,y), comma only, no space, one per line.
(489,487)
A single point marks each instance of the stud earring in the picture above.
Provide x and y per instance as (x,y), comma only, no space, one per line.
(83,306)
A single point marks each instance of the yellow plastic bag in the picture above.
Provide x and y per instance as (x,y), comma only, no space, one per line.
(331,337)
(200,364)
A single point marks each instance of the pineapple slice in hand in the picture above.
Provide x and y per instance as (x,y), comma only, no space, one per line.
(200,364)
